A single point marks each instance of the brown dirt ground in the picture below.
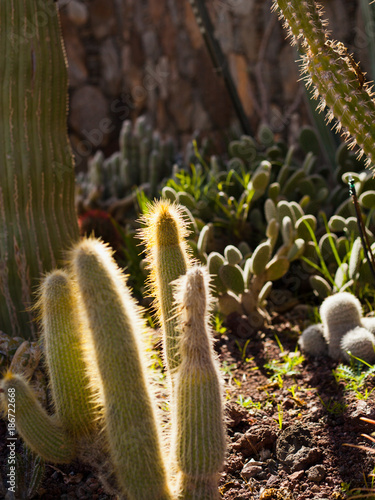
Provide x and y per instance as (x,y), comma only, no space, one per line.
(286,445)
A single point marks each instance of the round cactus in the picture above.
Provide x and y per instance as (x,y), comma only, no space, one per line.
(313,342)
(360,343)
(340,313)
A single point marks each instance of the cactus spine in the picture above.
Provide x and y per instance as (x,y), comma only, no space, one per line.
(199,439)
(37,215)
(334,73)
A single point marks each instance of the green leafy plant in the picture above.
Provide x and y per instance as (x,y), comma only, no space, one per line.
(355,377)
(248,403)
(332,406)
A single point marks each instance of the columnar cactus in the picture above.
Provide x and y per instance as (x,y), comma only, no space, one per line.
(128,413)
(337,78)
(104,408)
(37,214)
(198,440)
(143,159)
(343,331)
(164,237)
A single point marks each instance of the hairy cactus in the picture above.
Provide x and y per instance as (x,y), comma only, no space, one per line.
(343,331)
(37,214)
(104,407)
(164,237)
(115,326)
(359,342)
(313,341)
(336,76)
(198,438)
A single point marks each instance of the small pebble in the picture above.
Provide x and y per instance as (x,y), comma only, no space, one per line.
(250,470)
(316,473)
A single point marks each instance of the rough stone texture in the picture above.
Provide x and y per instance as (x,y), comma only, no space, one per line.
(149,56)
(295,448)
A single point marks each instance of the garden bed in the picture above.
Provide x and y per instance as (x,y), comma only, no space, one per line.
(286,433)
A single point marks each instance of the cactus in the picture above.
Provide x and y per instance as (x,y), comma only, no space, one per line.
(343,331)
(198,438)
(360,343)
(164,237)
(115,326)
(312,341)
(243,287)
(37,214)
(334,73)
(143,160)
(64,332)
(104,407)
(104,332)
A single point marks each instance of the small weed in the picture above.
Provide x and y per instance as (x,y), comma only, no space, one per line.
(248,403)
(243,350)
(218,324)
(285,367)
(280,413)
(355,376)
(333,407)
(227,369)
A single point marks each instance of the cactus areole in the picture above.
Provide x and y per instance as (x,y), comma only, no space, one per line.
(37,215)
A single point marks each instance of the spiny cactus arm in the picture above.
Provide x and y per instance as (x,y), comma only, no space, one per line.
(43,433)
(303,18)
(128,412)
(334,73)
(353,107)
(164,237)
(37,213)
(198,431)
(64,341)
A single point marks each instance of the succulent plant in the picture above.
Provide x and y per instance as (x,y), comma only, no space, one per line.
(143,160)
(340,257)
(38,218)
(343,331)
(104,406)
(243,281)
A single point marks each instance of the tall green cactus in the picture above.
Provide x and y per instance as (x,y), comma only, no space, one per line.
(100,384)
(164,237)
(334,73)
(128,413)
(37,215)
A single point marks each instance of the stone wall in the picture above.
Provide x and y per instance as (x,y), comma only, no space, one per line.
(129,57)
